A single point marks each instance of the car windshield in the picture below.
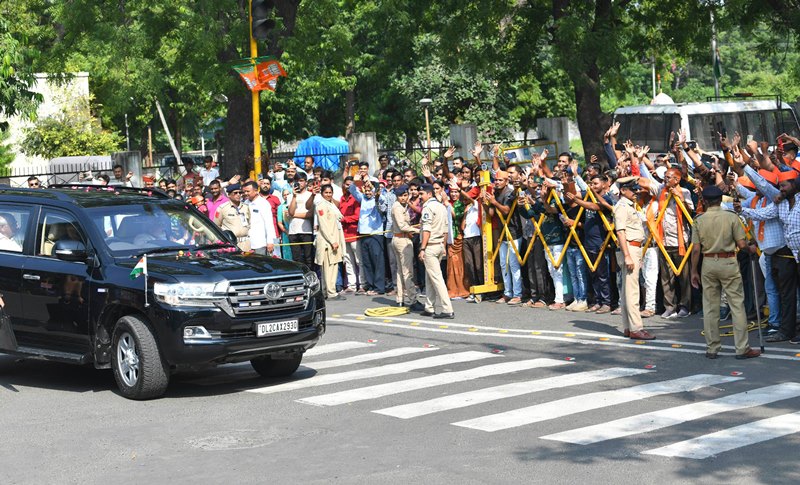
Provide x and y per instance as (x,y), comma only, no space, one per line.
(129,230)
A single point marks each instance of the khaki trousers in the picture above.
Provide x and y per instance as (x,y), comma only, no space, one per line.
(723,274)
(436,297)
(629,297)
(403,250)
(329,273)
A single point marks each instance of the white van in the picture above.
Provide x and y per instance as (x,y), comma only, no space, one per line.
(651,124)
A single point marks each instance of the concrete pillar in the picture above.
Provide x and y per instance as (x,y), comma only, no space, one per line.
(555,130)
(463,137)
(366,146)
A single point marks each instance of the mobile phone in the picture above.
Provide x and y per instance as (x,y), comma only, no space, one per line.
(692,144)
(260,176)
(619,147)
(297,186)
(706,158)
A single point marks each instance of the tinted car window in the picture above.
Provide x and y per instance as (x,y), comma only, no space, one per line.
(13,227)
(56,226)
(131,229)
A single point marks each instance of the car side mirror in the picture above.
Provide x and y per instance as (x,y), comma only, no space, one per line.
(70,250)
(230,236)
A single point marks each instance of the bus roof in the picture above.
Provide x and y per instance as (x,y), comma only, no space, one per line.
(703,108)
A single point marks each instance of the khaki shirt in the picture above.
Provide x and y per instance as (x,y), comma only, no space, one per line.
(434,220)
(401,221)
(716,231)
(234,219)
(627,218)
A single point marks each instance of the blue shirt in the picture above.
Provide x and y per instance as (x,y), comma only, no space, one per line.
(370,220)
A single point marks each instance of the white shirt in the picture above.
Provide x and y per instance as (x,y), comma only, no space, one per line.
(209,175)
(8,244)
(471,227)
(262,230)
(299,225)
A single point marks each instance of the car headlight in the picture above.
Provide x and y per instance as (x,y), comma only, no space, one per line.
(312,281)
(190,294)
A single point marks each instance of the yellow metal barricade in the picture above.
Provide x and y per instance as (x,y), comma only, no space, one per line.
(662,209)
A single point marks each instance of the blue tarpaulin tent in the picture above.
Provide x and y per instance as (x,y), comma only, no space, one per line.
(326,152)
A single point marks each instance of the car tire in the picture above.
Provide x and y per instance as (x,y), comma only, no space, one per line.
(269,367)
(138,367)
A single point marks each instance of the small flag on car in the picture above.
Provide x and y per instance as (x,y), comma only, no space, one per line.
(140,268)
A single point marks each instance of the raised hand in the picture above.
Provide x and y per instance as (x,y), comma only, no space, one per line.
(477,150)
(612,132)
(449,153)
(682,136)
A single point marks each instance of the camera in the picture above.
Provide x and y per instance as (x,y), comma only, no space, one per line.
(691,144)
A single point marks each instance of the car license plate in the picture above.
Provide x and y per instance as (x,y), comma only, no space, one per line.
(271,328)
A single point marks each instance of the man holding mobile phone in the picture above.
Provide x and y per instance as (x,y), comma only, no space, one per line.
(301,223)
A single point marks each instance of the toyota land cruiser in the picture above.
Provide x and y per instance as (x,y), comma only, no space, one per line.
(69,258)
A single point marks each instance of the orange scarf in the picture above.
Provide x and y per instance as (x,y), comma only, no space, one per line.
(651,219)
(760,223)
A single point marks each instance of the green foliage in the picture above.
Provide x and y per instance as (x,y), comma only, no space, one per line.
(16,77)
(72,132)
(7,155)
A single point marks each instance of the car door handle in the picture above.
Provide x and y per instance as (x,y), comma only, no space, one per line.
(32,277)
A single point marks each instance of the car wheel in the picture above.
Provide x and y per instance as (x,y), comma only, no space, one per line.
(138,367)
(269,367)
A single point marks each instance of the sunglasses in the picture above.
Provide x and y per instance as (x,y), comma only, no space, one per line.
(33,185)
(236,192)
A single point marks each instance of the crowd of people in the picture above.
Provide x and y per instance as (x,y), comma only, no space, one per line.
(618,234)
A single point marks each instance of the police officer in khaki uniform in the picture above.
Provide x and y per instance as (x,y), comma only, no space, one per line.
(717,234)
(432,251)
(630,237)
(403,248)
(235,216)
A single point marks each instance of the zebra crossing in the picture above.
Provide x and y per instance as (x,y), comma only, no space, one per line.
(522,380)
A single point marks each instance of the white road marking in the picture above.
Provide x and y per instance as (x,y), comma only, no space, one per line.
(391,388)
(357,359)
(732,438)
(384,370)
(588,402)
(651,345)
(480,396)
(336,347)
(646,422)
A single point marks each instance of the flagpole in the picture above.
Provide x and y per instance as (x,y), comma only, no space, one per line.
(146,304)
(714,57)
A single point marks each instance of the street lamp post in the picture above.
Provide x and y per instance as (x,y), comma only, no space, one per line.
(127,135)
(425,102)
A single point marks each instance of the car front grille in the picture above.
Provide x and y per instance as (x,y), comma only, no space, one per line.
(247,297)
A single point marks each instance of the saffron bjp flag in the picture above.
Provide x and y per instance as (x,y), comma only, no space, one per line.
(261,75)
(140,268)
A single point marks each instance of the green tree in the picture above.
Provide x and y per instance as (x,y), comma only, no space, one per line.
(16,76)
(74,131)
(7,155)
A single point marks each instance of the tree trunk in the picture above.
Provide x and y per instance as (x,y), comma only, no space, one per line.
(350,112)
(591,119)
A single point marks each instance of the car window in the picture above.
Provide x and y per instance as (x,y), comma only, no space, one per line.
(131,229)
(56,226)
(14,222)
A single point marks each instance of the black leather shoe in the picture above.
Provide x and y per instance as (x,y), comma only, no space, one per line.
(426,313)
(417,307)
(711,355)
(449,316)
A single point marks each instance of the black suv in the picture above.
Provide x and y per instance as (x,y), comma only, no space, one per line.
(70,259)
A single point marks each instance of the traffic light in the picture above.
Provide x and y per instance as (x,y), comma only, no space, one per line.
(261,23)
